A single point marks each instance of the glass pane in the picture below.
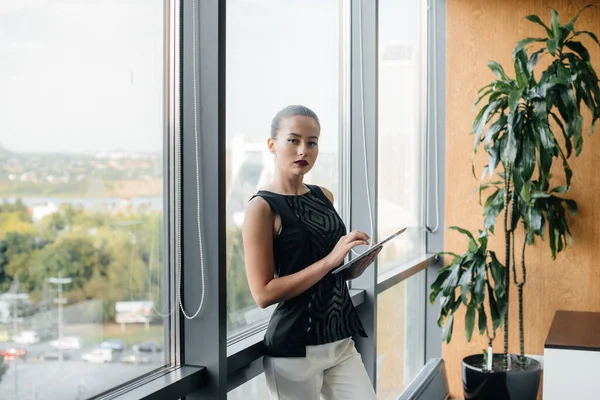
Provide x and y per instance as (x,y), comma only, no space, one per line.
(81,195)
(401,129)
(253,389)
(400,336)
(274,60)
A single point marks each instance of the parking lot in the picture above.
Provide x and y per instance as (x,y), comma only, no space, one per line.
(72,378)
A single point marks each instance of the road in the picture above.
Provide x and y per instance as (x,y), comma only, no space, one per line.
(71,379)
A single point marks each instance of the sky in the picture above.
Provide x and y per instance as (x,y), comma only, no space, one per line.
(87,75)
(76,76)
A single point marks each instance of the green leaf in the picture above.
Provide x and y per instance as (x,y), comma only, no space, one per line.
(593,127)
(571,23)
(498,274)
(472,244)
(481,119)
(492,208)
(482,97)
(528,156)
(552,45)
(521,70)
(447,332)
(513,99)
(560,189)
(480,280)
(450,284)
(509,151)
(447,253)
(525,192)
(489,85)
(580,49)
(469,322)
(537,194)
(535,219)
(568,144)
(578,135)
(544,165)
(437,285)
(590,34)
(495,314)
(498,70)
(492,133)
(572,206)
(521,45)
(482,320)
(533,60)
(537,20)
(493,159)
(465,284)
(555,24)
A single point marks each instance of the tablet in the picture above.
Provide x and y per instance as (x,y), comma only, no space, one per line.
(366,253)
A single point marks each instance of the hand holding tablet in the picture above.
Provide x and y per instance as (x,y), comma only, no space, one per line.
(360,263)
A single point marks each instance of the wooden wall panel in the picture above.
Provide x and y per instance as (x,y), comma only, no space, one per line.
(479,31)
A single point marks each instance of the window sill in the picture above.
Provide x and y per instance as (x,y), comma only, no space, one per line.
(404,271)
(175,383)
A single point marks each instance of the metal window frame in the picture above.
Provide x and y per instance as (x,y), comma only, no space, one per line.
(204,339)
(437,137)
(364,25)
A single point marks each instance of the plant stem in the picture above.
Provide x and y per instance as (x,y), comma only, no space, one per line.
(520,289)
(521,335)
(507,234)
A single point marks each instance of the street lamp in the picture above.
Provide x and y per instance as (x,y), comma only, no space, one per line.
(60,300)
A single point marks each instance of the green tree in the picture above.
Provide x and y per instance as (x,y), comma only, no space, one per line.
(238,291)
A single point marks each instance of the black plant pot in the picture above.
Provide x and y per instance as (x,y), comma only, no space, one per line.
(520,383)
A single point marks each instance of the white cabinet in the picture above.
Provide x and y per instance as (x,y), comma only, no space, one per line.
(572,357)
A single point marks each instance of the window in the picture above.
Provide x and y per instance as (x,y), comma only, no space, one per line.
(400,336)
(278,53)
(402,92)
(82,239)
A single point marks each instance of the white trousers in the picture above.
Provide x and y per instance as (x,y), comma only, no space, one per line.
(332,371)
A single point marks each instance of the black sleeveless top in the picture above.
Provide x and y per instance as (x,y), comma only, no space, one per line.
(323,314)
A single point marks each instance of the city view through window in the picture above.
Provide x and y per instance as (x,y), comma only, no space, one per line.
(81,196)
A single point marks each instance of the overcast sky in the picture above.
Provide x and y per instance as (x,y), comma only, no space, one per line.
(86,75)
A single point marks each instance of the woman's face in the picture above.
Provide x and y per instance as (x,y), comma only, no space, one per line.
(296,145)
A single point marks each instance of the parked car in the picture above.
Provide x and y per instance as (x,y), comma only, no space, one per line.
(99,356)
(14,353)
(51,355)
(135,359)
(67,343)
(114,345)
(26,337)
(147,347)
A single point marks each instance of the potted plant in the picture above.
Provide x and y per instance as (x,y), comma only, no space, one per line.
(526,125)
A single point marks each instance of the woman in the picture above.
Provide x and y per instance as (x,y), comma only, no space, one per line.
(293,238)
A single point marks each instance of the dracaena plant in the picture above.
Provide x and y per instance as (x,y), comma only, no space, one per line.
(527,123)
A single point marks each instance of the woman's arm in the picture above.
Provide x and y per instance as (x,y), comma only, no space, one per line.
(356,270)
(258,249)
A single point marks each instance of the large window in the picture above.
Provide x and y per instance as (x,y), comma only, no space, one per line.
(402,91)
(82,238)
(278,53)
(400,336)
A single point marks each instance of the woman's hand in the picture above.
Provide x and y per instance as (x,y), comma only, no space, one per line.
(359,267)
(343,247)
